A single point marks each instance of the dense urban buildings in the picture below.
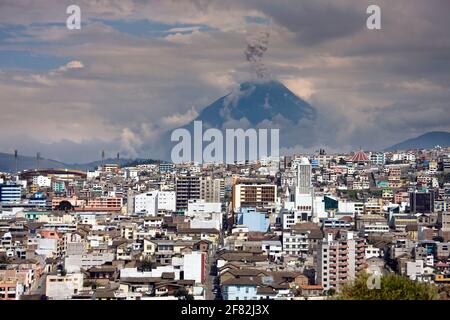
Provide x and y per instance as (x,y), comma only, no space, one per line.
(298,227)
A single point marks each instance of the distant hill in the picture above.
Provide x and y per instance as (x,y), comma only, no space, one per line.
(7,163)
(425,141)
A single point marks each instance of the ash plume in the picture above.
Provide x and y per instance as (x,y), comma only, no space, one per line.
(257,45)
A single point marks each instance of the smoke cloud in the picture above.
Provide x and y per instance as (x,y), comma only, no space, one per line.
(257,45)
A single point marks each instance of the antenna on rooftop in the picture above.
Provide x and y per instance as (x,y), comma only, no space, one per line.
(15,160)
(38,157)
(103,158)
(118,155)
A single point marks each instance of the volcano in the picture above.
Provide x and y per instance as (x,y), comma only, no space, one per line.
(260,104)
(257,103)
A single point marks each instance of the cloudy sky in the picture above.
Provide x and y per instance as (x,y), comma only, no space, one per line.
(138,68)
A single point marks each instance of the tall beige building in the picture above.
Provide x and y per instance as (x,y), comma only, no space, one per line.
(340,259)
(212,190)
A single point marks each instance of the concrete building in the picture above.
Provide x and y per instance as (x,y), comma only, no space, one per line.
(212,190)
(194,266)
(60,287)
(340,259)
(253,195)
(10,193)
(146,203)
(254,220)
(187,188)
(198,207)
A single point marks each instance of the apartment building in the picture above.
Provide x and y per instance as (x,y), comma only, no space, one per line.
(253,195)
(340,259)
(212,190)
(187,188)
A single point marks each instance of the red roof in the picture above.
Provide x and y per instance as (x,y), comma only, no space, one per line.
(360,156)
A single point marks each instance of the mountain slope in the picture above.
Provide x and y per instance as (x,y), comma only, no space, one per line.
(257,102)
(7,163)
(425,141)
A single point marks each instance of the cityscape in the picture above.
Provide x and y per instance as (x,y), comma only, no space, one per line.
(239,152)
(293,227)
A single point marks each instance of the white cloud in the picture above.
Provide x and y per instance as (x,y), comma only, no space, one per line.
(74,64)
(301,87)
(180,119)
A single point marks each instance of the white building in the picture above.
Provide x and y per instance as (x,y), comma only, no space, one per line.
(194,266)
(151,202)
(59,287)
(167,200)
(374,228)
(371,251)
(74,263)
(414,269)
(197,207)
(42,181)
(295,243)
(351,207)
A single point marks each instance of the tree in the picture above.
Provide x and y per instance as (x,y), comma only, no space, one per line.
(392,287)
(64,206)
(3,259)
(183,294)
(147,264)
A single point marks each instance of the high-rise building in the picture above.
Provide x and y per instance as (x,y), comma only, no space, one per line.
(187,188)
(212,190)
(304,183)
(339,260)
(254,195)
(10,192)
(422,202)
